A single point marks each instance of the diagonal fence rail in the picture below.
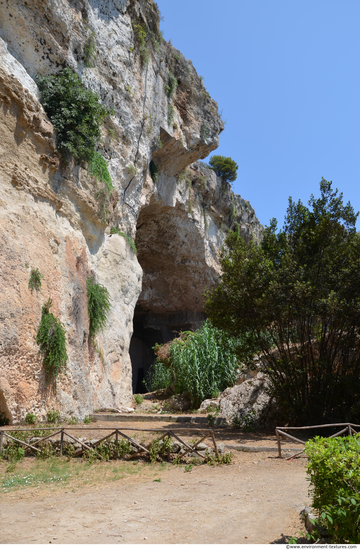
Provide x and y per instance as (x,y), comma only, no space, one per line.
(62,432)
(346,427)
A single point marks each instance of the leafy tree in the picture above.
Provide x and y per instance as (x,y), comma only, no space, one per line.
(225,167)
(296,297)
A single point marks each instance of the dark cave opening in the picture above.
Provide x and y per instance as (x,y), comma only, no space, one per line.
(150,329)
(171,254)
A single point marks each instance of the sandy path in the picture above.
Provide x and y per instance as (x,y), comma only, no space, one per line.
(254,500)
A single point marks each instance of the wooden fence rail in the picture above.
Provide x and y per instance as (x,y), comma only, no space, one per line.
(188,447)
(280,431)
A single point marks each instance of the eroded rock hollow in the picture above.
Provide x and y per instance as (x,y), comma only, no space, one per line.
(51,218)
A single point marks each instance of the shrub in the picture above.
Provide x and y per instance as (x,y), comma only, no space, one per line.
(30,418)
(200,363)
(225,167)
(131,169)
(138,399)
(99,305)
(89,50)
(171,86)
(13,452)
(296,299)
(35,279)
(75,112)
(158,377)
(98,168)
(51,339)
(128,239)
(334,472)
(171,112)
(52,416)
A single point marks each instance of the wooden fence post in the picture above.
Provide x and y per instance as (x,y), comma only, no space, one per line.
(1,441)
(278,442)
(61,441)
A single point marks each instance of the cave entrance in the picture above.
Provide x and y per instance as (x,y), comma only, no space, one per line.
(4,410)
(148,330)
(172,255)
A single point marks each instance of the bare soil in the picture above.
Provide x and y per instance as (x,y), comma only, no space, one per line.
(254,500)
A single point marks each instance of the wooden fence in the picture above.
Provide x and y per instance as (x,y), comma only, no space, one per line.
(61,432)
(349,428)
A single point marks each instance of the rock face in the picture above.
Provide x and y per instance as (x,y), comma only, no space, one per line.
(247,403)
(50,218)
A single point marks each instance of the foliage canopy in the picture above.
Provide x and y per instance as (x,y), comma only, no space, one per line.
(225,167)
(296,298)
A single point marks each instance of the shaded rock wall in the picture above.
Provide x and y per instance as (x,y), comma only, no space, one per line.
(51,219)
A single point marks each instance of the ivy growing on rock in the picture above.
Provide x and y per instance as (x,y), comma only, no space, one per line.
(51,339)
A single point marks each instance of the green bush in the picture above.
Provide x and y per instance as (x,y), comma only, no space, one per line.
(98,168)
(334,473)
(201,363)
(158,377)
(52,416)
(138,399)
(171,86)
(51,339)
(75,112)
(225,167)
(30,418)
(35,279)
(99,305)
(90,50)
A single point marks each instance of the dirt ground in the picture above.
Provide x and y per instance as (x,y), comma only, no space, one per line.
(254,500)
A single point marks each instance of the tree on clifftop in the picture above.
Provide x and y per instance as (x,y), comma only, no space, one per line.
(296,299)
(225,167)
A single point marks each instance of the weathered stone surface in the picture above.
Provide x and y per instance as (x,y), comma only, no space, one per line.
(209,403)
(50,218)
(247,402)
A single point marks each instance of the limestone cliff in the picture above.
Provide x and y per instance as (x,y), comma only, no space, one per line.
(51,219)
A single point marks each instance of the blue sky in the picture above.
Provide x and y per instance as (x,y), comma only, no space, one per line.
(285,74)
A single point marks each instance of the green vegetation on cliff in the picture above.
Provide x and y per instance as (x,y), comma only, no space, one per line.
(75,112)
(51,339)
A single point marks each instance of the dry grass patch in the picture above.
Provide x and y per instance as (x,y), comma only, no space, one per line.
(60,472)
